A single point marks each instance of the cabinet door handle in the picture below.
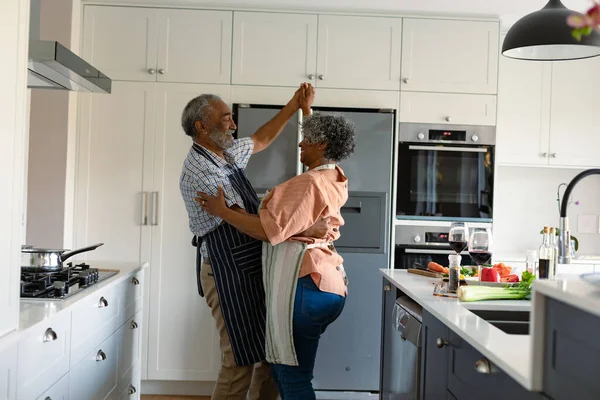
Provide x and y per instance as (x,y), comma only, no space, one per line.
(161,71)
(484,366)
(151,71)
(144,216)
(311,76)
(48,398)
(448,119)
(135,281)
(544,155)
(553,155)
(405,80)
(154,208)
(321,77)
(387,287)
(50,335)
(132,390)
(101,356)
(441,343)
(134,325)
(102,303)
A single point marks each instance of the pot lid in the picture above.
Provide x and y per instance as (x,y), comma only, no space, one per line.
(31,249)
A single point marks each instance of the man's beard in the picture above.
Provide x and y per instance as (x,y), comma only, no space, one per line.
(223,140)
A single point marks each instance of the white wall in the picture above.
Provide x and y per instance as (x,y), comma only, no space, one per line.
(525,201)
(49,199)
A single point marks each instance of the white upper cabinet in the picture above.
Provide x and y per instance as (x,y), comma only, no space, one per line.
(194,46)
(450,56)
(448,108)
(121,41)
(523,112)
(274,49)
(574,133)
(359,52)
(147,44)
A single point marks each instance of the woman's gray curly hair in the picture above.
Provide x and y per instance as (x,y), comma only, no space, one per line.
(335,130)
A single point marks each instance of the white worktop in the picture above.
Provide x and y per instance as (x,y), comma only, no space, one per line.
(33,312)
(511,353)
(575,292)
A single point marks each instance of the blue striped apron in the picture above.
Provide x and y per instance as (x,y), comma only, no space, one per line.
(236,261)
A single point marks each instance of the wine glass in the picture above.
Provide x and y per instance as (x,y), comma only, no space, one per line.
(458,237)
(480,247)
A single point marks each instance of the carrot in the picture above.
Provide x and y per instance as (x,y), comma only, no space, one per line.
(435,267)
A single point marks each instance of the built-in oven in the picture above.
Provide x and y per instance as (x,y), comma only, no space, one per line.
(445,172)
(426,242)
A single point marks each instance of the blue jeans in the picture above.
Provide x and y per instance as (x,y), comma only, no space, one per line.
(314,310)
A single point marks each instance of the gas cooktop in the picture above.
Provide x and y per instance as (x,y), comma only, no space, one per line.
(63,284)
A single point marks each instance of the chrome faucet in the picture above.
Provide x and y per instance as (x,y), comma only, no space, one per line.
(564,239)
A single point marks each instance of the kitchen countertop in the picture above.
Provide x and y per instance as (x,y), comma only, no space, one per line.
(33,312)
(511,353)
(575,292)
(585,259)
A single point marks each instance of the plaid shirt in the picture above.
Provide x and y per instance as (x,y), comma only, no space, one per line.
(199,173)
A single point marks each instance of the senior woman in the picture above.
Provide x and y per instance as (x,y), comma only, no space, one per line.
(304,278)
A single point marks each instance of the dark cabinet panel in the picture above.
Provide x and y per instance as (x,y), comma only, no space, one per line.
(434,378)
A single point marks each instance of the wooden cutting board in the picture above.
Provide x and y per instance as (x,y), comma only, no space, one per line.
(430,274)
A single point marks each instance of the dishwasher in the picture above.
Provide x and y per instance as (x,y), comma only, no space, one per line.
(401,358)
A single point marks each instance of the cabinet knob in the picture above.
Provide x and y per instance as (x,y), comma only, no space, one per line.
(544,155)
(311,76)
(483,366)
(134,325)
(102,303)
(101,356)
(441,343)
(421,136)
(387,287)
(151,71)
(50,335)
(417,239)
(132,390)
(135,281)
(161,71)
(48,398)
(405,80)
(553,155)
(448,119)
(474,138)
(321,77)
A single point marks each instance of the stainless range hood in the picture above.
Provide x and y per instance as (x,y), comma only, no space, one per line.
(53,66)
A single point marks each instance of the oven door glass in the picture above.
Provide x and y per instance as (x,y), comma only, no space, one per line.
(445,182)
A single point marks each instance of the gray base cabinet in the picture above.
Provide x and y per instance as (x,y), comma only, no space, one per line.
(450,369)
(572,350)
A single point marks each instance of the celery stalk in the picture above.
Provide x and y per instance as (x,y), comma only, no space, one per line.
(477,293)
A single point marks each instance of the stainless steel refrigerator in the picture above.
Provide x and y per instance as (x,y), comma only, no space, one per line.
(348,358)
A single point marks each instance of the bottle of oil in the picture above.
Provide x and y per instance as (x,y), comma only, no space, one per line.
(545,254)
(554,245)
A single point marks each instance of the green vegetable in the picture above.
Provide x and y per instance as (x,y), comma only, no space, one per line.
(467,271)
(518,292)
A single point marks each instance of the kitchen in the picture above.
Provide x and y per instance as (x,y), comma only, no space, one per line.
(121,190)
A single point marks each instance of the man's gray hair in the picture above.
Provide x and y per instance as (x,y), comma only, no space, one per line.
(198,109)
(335,130)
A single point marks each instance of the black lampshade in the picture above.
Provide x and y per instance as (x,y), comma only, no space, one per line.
(545,36)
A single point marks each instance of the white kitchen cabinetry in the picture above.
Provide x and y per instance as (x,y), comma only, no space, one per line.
(450,56)
(114,166)
(448,108)
(523,126)
(574,134)
(183,344)
(274,49)
(44,353)
(152,44)
(8,371)
(359,52)
(58,391)
(129,338)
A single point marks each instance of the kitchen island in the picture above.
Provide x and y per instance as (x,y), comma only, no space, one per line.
(468,352)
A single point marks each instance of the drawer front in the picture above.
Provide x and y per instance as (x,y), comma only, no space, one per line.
(448,108)
(130,292)
(132,389)
(94,320)
(434,368)
(8,370)
(130,349)
(44,355)
(58,391)
(466,383)
(96,377)
(572,363)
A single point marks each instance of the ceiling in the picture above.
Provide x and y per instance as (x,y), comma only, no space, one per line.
(508,10)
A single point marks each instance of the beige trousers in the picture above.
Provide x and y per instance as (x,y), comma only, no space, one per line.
(234,382)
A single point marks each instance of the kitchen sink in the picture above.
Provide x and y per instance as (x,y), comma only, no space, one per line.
(511,322)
